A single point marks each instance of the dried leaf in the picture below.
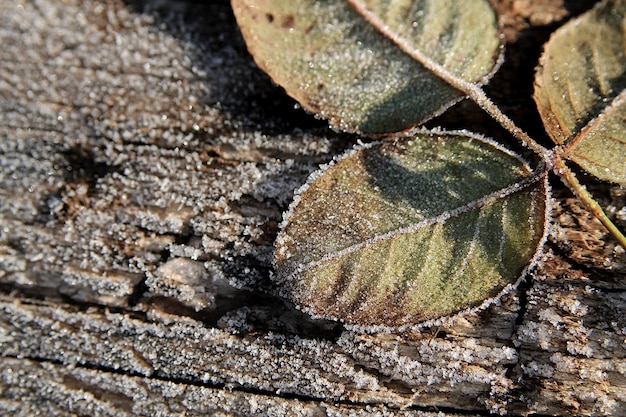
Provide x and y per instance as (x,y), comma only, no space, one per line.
(337,65)
(581,90)
(412,229)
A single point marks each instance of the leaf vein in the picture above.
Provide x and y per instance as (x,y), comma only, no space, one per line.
(442,218)
(609,111)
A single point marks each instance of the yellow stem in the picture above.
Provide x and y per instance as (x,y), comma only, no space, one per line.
(568,177)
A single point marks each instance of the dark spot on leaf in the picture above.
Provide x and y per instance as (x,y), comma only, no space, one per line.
(288,22)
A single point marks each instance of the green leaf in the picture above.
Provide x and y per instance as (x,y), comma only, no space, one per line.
(339,66)
(403,231)
(581,90)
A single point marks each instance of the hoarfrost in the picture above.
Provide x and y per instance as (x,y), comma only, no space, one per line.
(138,164)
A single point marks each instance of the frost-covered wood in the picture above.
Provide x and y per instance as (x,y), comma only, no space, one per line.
(44,388)
(144,166)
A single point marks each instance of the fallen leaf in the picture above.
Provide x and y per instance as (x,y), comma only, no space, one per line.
(412,229)
(339,66)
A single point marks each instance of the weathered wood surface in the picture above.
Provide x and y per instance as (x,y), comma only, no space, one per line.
(144,166)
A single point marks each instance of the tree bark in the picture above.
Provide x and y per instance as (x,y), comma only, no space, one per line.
(145,165)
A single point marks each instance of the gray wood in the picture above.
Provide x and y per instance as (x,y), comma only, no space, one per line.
(145,164)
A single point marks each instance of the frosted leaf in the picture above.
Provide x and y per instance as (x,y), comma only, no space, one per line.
(403,231)
(580,90)
(339,66)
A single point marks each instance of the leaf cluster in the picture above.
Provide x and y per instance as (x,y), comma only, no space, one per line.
(424,224)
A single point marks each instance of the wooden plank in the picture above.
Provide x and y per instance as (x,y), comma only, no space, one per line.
(30,388)
(457,371)
(145,163)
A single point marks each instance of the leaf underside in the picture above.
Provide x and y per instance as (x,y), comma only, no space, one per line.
(580,90)
(401,232)
(340,67)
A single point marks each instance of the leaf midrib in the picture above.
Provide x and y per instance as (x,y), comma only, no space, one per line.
(441,218)
(610,110)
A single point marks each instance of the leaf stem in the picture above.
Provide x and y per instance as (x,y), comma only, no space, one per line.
(471,90)
(479,97)
(568,177)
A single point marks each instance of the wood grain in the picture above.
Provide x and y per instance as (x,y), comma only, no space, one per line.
(145,163)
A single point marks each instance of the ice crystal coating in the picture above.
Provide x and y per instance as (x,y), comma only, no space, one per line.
(581,90)
(412,229)
(339,66)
